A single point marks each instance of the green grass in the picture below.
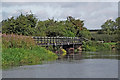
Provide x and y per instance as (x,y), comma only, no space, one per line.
(21,50)
(21,56)
(112,43)
(95,46)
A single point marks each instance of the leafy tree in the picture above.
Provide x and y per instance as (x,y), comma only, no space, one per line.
(109,27)
(29,25)
(78,24)
(23,24)
(118,32)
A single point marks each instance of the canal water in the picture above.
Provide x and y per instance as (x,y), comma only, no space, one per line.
(84,65)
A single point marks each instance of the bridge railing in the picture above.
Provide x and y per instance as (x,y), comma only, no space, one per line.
(57,40)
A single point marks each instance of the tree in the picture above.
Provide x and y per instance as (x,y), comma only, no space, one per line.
(78,24)
(29,25)
(118,32)
(109,27)
(23,24)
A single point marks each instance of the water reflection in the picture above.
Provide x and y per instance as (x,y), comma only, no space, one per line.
(93,55)
(101,55)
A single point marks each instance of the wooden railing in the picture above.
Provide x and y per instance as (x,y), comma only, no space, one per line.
(58,40)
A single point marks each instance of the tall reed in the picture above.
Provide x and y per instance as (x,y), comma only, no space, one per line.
(17,41)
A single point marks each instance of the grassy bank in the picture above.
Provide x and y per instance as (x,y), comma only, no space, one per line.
(21,56)
(21,50)
(95,46)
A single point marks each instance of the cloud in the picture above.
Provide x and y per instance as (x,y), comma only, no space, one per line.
(60,0)
(94,13)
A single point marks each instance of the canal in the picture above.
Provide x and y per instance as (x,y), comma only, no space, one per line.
(85,65)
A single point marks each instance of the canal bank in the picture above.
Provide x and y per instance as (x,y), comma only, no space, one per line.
(100,65)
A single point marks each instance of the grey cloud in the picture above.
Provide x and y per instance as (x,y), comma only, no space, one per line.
(94,13)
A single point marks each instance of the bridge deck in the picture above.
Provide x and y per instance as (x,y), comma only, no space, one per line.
(58,40)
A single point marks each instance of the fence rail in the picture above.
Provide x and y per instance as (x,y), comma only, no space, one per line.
(58,40)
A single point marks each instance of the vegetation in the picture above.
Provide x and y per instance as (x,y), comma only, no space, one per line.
(118,33)
(21,50)
(109,33)
(17,41)
(21,56)
(95,46)
(104,37)
(23,24)
(63,52)
(110,27)
(118,45)
(29,25)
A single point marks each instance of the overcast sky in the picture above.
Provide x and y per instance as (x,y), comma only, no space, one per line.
(94,14)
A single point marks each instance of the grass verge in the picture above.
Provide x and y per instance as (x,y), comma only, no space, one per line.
(21,56)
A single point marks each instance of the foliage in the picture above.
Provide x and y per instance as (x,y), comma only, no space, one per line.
(118,33)
(109,27)
(112,27)
(21,50)
(85,34)
(28,24)
(64,52)
(118,45)
(95,46)
(17,41)
(111,43)
(21,56)
(104,37)
(23,24)
(50,47)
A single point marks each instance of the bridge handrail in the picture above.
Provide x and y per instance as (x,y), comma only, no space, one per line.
(58,40)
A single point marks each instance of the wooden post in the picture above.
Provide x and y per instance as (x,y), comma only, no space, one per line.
(40,40)
(50,40)
(37,39)
(53,40)
(47,40)
(44,40)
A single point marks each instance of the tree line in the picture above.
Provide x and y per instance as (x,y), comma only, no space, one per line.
(109,31)
(28,24)
(110,27)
